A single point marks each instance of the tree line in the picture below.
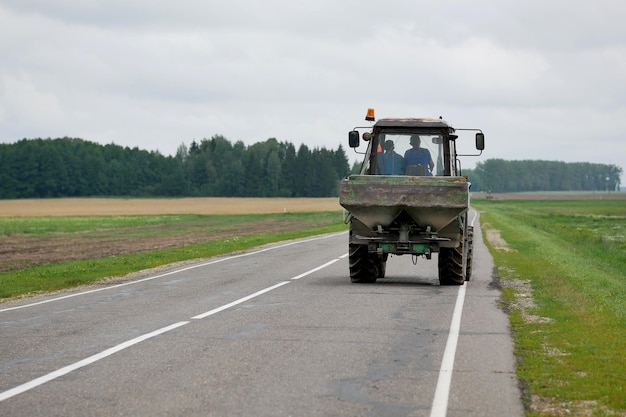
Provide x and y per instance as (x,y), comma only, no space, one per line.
(502,176)
(72,167)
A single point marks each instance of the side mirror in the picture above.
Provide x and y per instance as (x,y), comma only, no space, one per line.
(480,141)
(353,139)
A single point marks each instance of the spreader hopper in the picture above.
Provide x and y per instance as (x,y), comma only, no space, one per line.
(376,200)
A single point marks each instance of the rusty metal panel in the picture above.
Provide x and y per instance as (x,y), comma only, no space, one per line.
(430,201)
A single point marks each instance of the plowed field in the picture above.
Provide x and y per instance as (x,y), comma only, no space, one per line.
(20,250)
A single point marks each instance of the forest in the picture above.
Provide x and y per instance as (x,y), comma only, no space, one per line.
(216,167)
(70,167)
(505,176)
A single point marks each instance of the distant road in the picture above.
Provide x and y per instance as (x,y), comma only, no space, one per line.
(274,332)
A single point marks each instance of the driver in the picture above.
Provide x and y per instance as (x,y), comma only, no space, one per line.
(418,156)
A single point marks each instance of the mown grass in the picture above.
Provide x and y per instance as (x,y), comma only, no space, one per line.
(58,276)
(569,341)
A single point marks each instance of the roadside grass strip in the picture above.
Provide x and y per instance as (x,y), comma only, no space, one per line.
(63,275)
(562,269)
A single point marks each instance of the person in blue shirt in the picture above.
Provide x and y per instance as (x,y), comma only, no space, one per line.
(418,160)
(394,162)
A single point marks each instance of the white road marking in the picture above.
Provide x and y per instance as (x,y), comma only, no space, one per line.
(171,272)
(440,401)
(88,361)
(63,371)
(315,269)
(241,300)
(442,392)
(472,211)
(268,289)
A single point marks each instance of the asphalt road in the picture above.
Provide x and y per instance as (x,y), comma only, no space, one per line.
(279,331)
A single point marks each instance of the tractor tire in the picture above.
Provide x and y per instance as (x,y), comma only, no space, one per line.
(451,266)
(470,249)
(363,265)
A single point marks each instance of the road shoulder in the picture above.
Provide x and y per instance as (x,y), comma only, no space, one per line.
(484,377)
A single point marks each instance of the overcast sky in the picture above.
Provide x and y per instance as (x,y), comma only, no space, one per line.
(544,79)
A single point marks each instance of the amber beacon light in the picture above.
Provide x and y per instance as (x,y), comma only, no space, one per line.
(370,115)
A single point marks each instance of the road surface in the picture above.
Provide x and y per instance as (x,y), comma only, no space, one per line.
(278,331)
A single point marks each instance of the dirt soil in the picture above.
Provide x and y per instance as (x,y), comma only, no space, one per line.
(24,251)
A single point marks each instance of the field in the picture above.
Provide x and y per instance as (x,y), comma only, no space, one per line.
(39,232)
(560,263)
(139,206)
(57,243)
(561,266)
(554,195)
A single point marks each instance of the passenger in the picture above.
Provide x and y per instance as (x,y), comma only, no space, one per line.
(418,160)
(394,162)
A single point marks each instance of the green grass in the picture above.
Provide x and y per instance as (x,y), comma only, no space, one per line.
(141,225)
(570,343)
(58,276)
(38,226)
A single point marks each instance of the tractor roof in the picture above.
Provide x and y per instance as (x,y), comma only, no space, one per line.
(413,122)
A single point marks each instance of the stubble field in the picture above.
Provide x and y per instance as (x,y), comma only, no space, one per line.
(139,206)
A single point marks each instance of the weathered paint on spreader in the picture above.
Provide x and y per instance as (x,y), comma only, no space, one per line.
(431,202)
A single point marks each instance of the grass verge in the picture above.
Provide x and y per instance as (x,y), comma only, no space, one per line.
(562,273)
(56,276)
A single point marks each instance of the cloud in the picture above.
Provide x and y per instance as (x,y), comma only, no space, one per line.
(153,74)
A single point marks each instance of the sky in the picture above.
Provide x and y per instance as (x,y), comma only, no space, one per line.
(543,79)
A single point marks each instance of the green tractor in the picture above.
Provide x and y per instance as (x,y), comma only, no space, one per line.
(409,198)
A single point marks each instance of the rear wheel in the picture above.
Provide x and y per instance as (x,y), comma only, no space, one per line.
(451,266)
(470,249)
(363,265)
